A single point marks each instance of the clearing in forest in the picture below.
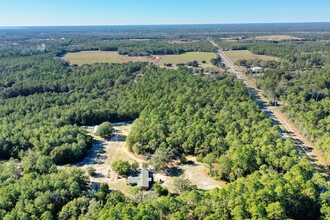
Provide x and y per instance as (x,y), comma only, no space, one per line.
(193,170)
(235,55)
(105,152)
(91,57)
(189,57)
(277,38)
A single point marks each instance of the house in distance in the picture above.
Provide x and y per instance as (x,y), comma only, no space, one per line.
(142,180)
(257,69)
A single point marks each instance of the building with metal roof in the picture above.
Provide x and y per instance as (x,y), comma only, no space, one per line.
(142,180)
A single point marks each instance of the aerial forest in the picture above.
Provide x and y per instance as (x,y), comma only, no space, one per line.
(45,104)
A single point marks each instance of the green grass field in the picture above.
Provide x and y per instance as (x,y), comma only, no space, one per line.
(90,57)
(243,53)
(188,57)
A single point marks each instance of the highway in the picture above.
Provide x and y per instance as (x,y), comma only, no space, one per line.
(231,66)
(288,130)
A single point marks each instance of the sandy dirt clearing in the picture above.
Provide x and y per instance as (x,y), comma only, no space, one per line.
(105,152)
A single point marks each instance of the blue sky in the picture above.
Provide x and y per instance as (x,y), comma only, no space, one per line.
(132,12)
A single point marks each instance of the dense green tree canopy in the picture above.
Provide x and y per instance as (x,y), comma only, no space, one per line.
(124,167)
(45,102)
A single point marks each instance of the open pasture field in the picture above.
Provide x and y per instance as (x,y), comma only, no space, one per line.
(277,38)
(188,57)
(236,55)
(91,57)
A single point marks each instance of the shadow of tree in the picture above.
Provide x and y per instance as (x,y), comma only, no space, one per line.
(174,171)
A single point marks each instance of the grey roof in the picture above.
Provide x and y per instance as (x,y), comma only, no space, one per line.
(142,180)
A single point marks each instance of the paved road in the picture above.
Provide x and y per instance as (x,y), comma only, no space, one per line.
(288,130)
(239,75)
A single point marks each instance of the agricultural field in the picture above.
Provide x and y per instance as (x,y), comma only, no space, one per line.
(188,57)
(90,57)
(236,55)
(277,38)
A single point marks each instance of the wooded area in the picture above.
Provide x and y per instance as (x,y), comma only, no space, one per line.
(45,102)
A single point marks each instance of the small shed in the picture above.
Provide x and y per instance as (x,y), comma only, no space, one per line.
(257,69)
(142,180)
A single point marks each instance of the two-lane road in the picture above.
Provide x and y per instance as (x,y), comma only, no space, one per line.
(288,129)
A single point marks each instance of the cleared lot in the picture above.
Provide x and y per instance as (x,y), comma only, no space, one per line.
(91,57)
(188,57)
(105,152)
(277,38)
(236,55)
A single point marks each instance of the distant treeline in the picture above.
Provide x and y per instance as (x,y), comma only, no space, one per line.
(140,48)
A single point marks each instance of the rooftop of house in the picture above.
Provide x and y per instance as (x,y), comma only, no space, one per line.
(256,68)
(142,180)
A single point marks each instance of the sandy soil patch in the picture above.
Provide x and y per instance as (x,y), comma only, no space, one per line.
(277,38)
(105,152)
(195,171)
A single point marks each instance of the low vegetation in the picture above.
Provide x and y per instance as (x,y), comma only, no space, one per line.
(182,184)
(91,171)
(105,130)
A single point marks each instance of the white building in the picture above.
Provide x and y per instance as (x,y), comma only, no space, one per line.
(257,69)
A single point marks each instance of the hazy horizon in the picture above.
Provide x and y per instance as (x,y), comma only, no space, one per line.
(188,24)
